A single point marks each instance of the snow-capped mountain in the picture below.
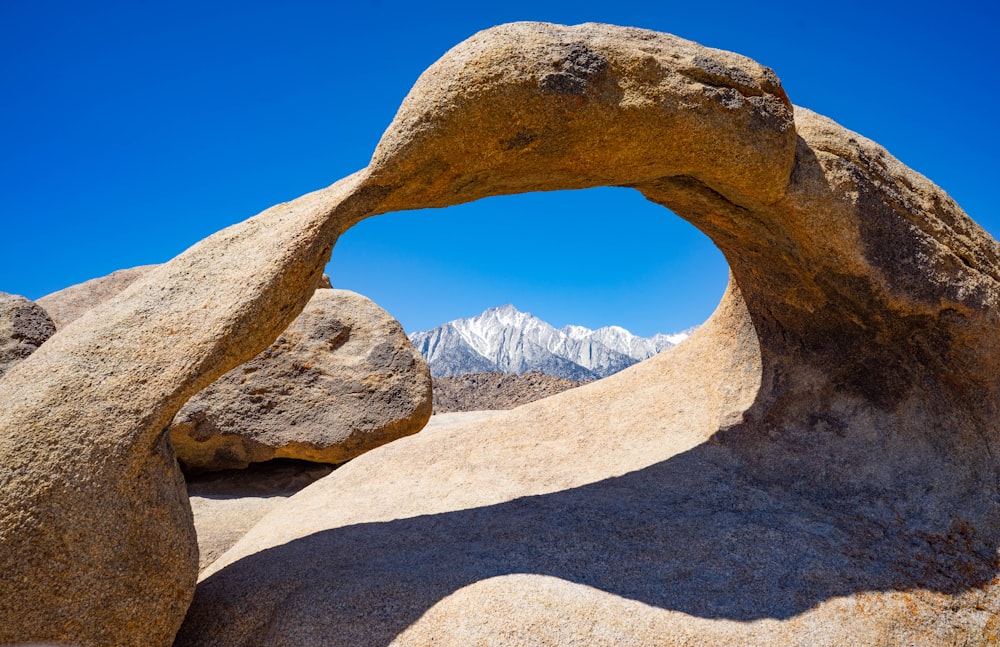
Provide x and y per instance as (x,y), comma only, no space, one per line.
(510,341)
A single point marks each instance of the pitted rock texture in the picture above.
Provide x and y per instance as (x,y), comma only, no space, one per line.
(818,464)
(299,398)
(24,326)
(342,379)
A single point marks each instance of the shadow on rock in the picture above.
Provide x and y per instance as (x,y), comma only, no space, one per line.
(697,533)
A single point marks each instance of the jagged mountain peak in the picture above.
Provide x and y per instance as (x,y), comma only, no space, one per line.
(505,339)
(505,314)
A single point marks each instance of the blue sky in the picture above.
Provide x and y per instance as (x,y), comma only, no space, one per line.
(130,130)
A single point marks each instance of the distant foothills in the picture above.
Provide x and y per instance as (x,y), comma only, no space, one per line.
(507,340)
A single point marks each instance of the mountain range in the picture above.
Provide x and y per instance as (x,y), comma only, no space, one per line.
(510,341)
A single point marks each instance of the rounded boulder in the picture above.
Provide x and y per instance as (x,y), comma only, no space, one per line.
(341,380)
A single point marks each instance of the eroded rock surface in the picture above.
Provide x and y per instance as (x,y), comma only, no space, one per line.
(226,504)
(24,326)
(342,379)
(816,465)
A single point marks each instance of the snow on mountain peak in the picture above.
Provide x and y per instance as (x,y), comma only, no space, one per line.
(505,339)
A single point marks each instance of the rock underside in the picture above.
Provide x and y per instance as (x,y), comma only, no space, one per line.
(816,465)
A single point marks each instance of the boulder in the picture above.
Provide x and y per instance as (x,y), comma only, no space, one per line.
(817,464)
(24,326)
(299,398)
(68,304)
(316,394)
(343,378)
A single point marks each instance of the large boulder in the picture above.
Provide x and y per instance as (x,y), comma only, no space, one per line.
(342,379)
(818,464)
(24,326)
(69,304)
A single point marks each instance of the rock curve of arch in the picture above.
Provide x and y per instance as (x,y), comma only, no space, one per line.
(868,297)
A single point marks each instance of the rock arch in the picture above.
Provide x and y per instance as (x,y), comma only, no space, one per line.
(863,300)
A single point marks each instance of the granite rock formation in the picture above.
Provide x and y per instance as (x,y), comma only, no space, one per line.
(68,304)
(283,403)
(342,379)
(97,544)
(818,463)
(226,504)
(24,326)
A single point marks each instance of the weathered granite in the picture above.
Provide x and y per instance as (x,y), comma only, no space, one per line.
(24,326)
(342,379)
(69,304)
(97,545)
(818,464)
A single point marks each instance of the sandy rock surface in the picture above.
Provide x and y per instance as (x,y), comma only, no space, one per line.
(342,379)
(24,326)
(816,465)
(454,418)
(67,305)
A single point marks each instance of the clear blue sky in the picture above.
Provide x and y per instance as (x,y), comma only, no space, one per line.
(130,130)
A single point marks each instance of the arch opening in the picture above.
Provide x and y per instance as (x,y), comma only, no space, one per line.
(596,257)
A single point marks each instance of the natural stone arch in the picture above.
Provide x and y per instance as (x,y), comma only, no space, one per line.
(711,135)
(868,288)
(865,296)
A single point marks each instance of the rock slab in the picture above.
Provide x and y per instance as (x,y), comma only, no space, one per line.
(226,504)
(342,379)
